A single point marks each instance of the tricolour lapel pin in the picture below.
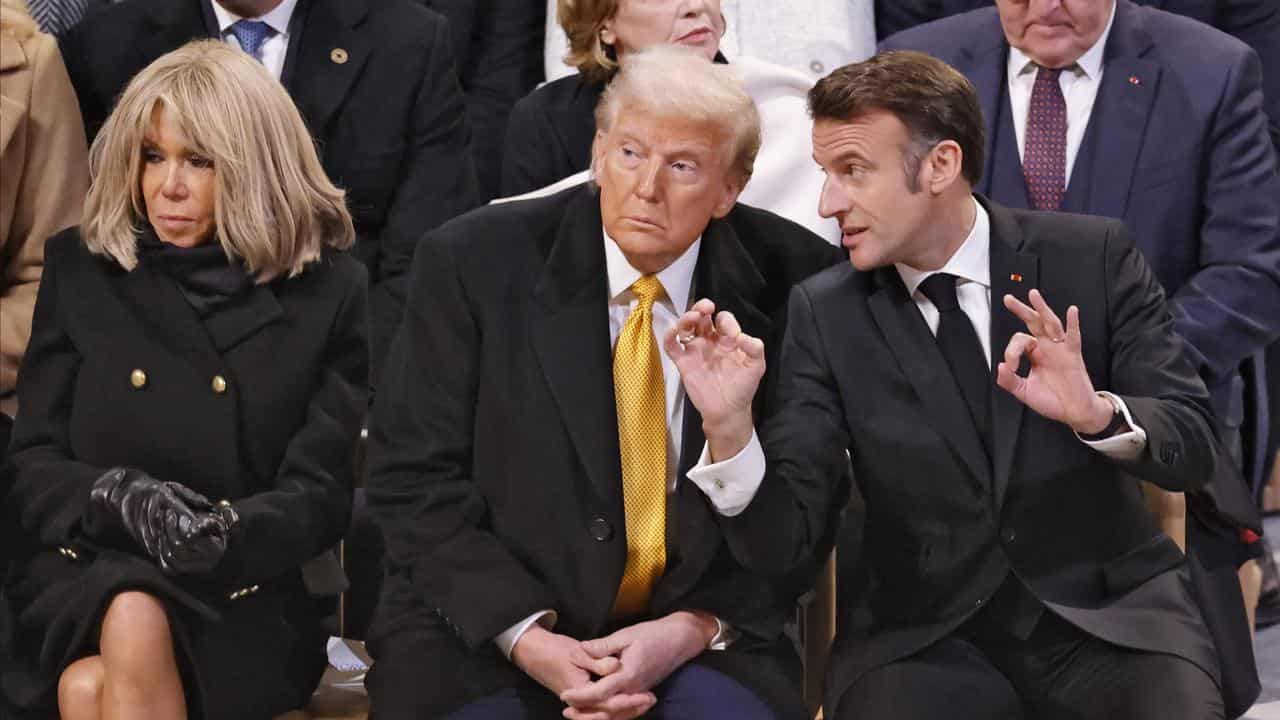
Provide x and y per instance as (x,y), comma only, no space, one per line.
(1015,277)
(1135,80)
(338,55)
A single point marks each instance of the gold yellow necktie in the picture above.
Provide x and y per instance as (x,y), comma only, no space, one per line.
(640,394)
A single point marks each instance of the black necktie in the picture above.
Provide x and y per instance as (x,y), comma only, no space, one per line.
(962,351)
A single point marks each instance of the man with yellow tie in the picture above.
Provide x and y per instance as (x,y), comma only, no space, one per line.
(531,445)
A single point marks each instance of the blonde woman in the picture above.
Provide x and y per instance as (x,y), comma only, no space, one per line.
(190,401)
(42,147)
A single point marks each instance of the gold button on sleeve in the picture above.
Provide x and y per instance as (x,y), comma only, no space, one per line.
(219,384)
(138,379)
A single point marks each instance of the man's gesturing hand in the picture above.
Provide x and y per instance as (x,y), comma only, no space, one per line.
(1058,386)
(648,651)
(720,367)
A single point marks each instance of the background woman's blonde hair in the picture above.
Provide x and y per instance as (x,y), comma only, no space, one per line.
(16,20)
(670,81)
(274,207)
(582,21)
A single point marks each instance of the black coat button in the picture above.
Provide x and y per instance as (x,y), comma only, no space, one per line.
(1010,535)
(601,529)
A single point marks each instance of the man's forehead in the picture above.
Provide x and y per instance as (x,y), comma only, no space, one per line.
(668,132)
(857,133)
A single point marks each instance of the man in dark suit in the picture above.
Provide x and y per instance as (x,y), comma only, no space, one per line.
(1175,143)
(529,446)
(1016,571)
(375,82)
(1171,141)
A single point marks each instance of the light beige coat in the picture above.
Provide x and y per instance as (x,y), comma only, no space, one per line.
(44,176)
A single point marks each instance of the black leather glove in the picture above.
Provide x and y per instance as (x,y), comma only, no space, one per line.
(176,526)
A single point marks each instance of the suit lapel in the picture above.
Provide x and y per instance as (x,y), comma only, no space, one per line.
(985,66)
(569,327)
(1128,90)
(331,54)
(1004,177)
(1012,273)
(921,360)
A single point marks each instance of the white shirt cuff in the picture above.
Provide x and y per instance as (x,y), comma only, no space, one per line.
(506,641)
(724,637)
(730,484)
(1123,446)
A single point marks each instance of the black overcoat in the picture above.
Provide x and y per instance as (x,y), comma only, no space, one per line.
(259,404)
(494,461)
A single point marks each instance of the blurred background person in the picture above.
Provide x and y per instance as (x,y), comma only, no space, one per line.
(551,130)
(44,163)
(190,402)
(810,38)
(498,48)
(375,81)
(1255,22)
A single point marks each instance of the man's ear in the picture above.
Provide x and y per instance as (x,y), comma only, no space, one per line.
(943,166)
(731,187)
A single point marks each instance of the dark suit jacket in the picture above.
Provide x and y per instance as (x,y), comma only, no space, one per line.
(278,443)
(1177,147)
(1256,22)
(389,120)
(498,45)
(494,461)
(943,525)
(550,134)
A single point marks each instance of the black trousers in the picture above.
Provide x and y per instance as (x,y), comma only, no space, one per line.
(1058,673)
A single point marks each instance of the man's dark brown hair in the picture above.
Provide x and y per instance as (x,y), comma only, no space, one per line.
(931,98)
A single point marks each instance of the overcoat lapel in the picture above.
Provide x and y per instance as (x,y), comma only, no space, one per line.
(569,327)
(921,360)
(330,58)
(1012,273)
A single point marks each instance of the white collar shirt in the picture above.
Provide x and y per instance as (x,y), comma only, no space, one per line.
(1079,84)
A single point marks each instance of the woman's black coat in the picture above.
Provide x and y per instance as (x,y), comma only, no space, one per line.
(260,403)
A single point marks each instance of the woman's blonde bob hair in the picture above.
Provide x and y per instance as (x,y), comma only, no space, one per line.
(274,207)
(582,21)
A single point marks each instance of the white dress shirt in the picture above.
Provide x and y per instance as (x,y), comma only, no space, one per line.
(741,475)
(1079,84)
(677,281)
(812,38)
(276,46)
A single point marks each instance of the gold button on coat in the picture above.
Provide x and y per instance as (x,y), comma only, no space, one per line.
(219,384)
(138,379)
